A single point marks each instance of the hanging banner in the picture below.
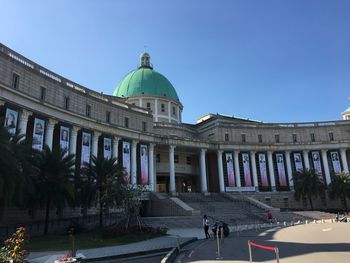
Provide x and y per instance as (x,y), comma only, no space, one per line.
(298,162)
(85,149)
(230,170)
(64,139)
(280,169)
(246,169)
(107,148)
(126,159)
(38,134)
(336,162)
(11,118)
(263,171)
(144,164)
(316,160)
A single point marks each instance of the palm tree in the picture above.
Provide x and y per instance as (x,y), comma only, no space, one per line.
(104,181)
(339,188)
(54,182)
(307,184)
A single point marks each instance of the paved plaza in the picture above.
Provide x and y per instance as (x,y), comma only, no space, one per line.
(321,243)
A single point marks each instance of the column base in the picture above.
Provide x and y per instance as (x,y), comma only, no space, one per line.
(206,193)
(174,193)
(273,188)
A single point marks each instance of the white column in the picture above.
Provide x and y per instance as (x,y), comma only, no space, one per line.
(306,159)
(172,169)
(155,173)
(133,162)
(169,111)
(156,109)
(221,171)
(255,174)
(49,132)
(115,147)
(178,114)
(289,170)
(326,167)
(95,143)
(271,170)
(151,168)
(73,140)
(344,160)
(237,173)
(204,186)
(23,121)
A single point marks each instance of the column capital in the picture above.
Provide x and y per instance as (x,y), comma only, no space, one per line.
(220,152)
(172,146)
(252,152)
(203,150)
(324,150)
(25,114)
(288,151)
(2,102)
(152,145)
(116,138)
(51,123)
(75,130)
(134,142)
(97,134)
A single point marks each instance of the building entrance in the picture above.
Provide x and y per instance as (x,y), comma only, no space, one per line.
(184,184)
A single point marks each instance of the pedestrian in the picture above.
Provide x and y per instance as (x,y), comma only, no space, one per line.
(269,216)
(206,226)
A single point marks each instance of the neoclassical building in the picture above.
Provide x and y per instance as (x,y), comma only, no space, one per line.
(140,125)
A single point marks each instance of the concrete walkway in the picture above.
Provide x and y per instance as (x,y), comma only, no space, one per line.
(154,245)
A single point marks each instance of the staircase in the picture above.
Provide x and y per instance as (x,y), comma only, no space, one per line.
(218,207)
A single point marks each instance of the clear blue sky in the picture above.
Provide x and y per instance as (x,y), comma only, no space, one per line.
(270,60)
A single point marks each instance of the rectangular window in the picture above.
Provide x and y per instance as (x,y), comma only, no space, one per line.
(108,116)
(162,107)
(176,158)
(174,111)
(331,137)
(260,138)
(227,137)
(66,103)
(277,138)
(188,160)
(243,138)
(295,139)
(88,110)
(42,93)
(144,126)
(126,122)
(15,81)
(312,136)
(148,106)
(158,158)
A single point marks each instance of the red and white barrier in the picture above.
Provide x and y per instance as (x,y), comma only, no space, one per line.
(250,244)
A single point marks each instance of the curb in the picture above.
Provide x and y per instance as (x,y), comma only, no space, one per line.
(170,257)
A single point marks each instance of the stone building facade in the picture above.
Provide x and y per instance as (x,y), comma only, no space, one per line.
(217,154)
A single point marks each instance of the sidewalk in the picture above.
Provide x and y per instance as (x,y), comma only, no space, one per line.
(154,245)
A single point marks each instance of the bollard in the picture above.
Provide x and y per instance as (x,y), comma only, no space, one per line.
(218,244)
(284,223)
(277,255)
(250,252)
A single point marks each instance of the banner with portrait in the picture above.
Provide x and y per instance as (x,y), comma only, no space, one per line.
(64,139)
(11,118)
(316,161)
(126,159)
(38,134)
(263,170)
(144,164)
(230,170)
(246,169)
(85,149)
(298,163)
(107,148)
(281,170)
(336,162)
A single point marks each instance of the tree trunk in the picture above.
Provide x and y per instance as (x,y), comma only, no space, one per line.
(101,215)
(47,216)
(345,202)
(311,204)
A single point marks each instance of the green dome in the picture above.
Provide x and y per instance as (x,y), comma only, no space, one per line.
(347,110)
(145,81)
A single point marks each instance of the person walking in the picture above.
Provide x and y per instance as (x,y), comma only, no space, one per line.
(206,226)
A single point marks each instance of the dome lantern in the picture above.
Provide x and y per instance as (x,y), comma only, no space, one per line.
(145,61)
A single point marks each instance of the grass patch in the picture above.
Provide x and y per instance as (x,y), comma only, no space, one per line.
(84,240)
